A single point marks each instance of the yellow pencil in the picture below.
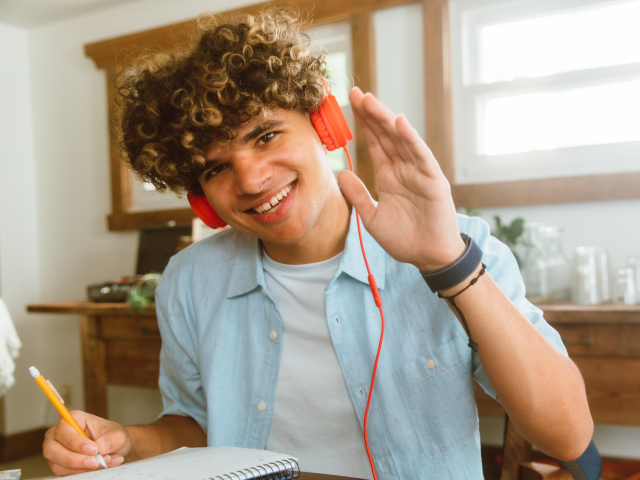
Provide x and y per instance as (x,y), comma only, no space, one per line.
(52,395)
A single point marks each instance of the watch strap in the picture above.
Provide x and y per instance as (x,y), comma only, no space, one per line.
(457,271)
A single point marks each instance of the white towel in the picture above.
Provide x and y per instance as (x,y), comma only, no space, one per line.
(9,346)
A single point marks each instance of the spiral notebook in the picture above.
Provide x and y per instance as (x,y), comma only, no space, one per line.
(209,463)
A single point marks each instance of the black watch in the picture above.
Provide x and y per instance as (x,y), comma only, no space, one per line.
(454,273)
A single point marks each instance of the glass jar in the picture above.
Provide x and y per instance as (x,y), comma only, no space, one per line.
(634,262)
(590,284)
(534,268)
(624,288)
(557,266)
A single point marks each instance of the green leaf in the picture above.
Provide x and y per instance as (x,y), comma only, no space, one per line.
(515,229)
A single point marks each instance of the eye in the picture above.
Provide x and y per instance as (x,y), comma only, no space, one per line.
(214,171)
(266,138)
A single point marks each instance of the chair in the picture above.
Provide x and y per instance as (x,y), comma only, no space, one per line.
(517,464)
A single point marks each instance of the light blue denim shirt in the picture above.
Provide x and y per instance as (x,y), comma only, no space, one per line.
(220,366)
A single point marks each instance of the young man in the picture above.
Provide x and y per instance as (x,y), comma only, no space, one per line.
(269,329)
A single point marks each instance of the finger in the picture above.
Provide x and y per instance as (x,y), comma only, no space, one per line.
(112,442)
(66,435)
(423,155)
(383,122)
(375,135)
(384,130)
(65,459)
(358,195)
(378,156)
(62,471)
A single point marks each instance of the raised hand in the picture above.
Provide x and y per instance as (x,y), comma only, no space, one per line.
(415,219)
(69,453)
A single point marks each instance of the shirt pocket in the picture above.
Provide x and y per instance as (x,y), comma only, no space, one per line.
(438,393)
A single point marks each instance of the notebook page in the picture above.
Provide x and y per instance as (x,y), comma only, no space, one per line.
(188,464)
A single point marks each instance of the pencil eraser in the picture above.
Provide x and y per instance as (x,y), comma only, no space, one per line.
(34,372)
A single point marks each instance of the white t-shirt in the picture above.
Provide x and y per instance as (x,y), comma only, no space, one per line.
(313,417)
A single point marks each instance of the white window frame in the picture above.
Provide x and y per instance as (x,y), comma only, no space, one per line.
(468,95)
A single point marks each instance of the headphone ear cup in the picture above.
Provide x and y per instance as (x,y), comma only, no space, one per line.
(329,122)
(205,212)
(321,128)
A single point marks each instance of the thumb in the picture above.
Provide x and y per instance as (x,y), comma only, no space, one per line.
(113,442)
(358,195)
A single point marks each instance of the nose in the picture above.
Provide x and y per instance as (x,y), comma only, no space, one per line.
(251,174)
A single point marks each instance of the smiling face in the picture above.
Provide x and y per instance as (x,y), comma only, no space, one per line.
(273,182)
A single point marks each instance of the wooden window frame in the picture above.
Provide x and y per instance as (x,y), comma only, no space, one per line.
(109,55)
(437,58)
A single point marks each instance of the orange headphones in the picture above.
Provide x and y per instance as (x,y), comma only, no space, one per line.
(334,132)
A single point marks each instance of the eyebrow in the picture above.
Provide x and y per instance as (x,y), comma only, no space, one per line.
(260,130)
(256,132)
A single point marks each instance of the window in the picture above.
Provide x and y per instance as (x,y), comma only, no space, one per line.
(144,197)
(545,88)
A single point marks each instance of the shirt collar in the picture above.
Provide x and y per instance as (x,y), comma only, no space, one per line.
(247,272)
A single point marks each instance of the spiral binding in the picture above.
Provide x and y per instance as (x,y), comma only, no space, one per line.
(278,470)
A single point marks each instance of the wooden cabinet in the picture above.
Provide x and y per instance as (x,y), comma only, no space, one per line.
(122,347)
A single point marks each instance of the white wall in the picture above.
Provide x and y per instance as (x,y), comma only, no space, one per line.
(19,259)
(399,65)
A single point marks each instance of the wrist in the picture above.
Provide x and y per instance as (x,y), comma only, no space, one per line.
(456,272)
(450,292)
(133,453)
(448,258)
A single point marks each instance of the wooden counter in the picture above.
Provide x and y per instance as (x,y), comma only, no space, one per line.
(121,347)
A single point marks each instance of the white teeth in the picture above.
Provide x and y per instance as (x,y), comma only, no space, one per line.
(274,200)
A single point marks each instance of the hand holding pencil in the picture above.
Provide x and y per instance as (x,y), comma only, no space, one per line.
(53,396)
(69,449)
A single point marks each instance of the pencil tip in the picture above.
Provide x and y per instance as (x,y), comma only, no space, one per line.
(101,460)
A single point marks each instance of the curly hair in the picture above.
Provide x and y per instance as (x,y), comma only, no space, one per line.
(173,105)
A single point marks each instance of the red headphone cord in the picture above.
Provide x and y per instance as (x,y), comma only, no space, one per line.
(378,302)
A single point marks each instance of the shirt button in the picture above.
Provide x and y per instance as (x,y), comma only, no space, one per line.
(273,335)
(431,364)
(262,406)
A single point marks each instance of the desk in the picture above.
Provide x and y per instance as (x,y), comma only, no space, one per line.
(303,476)
(121,347)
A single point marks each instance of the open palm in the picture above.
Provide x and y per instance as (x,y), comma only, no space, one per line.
(414,220)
